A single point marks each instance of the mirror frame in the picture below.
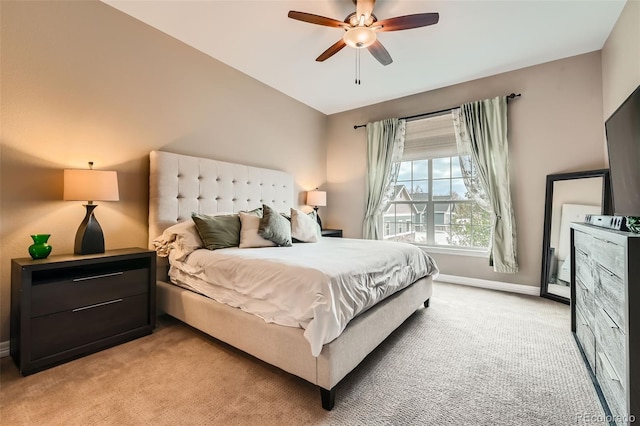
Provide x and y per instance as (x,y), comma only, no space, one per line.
(606,209)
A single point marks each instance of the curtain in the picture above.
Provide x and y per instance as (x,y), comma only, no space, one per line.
(481,136)
(385,143)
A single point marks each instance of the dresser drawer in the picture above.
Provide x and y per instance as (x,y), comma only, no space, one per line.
(611,386)
(585,335)
(584,269)
(52,334)
(585,301)
(611,342)
(610,255)
(583,241)
(609,294)
(87,289)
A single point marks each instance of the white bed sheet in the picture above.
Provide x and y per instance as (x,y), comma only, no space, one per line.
(317,286)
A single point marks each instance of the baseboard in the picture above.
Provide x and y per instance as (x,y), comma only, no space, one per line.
(491,285)
(4,349)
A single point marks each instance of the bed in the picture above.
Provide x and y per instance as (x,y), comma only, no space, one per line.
(181,185)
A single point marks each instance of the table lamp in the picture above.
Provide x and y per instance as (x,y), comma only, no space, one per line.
(90,185)
(317,199)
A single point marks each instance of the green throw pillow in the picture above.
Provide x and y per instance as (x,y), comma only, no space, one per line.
(274,227)
(218,231)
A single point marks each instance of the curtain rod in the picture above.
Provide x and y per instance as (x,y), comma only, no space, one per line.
(427,114)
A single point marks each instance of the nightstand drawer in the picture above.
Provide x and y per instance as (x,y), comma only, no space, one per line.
(52,334)
(87,289)
(68,306)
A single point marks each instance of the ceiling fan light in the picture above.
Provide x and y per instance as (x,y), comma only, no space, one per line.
(359,37)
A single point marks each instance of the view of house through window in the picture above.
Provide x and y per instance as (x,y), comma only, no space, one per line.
(430,204)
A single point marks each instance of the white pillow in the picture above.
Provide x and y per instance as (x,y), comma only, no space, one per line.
(182,238)
(303,227)
(249,224)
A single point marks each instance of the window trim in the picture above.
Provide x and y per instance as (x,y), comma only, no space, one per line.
(453,250)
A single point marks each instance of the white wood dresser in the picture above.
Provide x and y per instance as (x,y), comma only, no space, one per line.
(605,315)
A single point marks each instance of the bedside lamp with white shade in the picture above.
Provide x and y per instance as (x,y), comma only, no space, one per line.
(317,199)
(90,185)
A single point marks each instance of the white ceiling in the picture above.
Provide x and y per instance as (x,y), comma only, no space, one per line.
(474,39)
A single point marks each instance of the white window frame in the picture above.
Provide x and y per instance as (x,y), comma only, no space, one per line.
(428,139)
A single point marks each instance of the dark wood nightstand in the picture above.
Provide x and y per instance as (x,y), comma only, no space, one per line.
(68,306)
(332,233)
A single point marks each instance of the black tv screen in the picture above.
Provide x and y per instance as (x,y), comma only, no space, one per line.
(623,145)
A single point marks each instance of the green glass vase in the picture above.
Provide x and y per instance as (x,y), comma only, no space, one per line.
(40,249)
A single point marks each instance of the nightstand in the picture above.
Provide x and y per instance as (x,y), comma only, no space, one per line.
(332,233)
(68,306)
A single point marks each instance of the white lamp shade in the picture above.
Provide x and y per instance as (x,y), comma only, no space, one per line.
(317,198)
(90,185)
(360,37)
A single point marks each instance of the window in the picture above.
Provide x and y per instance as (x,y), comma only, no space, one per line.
(430,204)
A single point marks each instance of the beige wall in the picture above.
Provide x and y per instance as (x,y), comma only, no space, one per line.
(556,126)
(621,59)
(82,81)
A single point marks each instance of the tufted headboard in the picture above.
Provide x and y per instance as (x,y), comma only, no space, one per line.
(180,185)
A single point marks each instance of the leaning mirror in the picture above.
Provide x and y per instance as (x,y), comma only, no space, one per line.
(569,198)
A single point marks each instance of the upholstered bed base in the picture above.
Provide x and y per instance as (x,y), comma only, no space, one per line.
(180,185)
(286,347)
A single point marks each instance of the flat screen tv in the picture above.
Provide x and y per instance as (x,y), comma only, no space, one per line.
(623,145)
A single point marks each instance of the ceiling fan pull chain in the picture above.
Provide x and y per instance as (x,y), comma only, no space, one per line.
(358,66)
(356,82)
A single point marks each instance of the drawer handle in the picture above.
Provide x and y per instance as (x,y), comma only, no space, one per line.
(93,277)
(581,319)
(607,270)
(608,367)
(97,305)
(611,322)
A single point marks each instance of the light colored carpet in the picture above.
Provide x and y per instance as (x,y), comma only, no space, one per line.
(475,357)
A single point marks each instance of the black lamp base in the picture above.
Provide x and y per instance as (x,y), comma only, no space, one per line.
(318,217)
(89,238)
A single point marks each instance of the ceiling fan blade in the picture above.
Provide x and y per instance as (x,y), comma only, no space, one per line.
(408,21)
(315,19)
(364,7)
(380,53)
(335,48)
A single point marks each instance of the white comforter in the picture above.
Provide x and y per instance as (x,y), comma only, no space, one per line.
(319,287)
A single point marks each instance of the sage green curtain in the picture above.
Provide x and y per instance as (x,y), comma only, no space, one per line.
(481,132)
(385,143)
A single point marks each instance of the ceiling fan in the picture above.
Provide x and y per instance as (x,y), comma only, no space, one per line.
(361,27)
